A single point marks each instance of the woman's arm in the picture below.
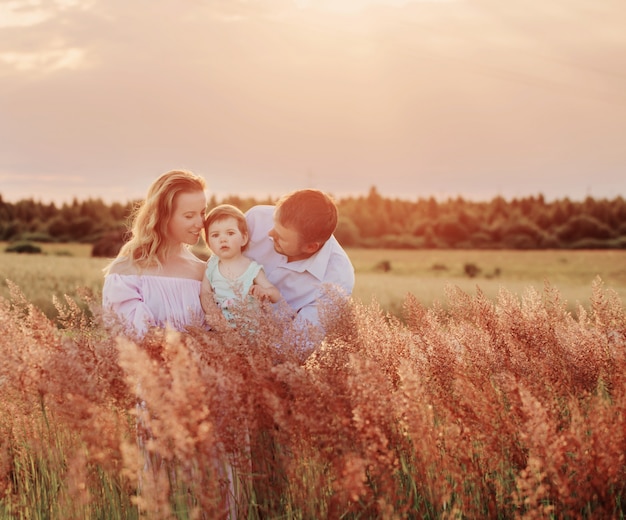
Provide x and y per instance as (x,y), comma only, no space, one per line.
(123,304)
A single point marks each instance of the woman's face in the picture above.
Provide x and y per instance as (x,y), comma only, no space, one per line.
(187,219)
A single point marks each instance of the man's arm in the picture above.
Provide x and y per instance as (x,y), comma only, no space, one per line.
(339,280)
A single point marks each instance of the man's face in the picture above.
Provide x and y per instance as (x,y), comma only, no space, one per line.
(287,242)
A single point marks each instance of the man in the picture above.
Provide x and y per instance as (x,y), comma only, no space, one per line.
(294,243)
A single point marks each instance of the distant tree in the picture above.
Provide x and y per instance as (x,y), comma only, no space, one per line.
(347,234)
(496,210)
(119,212)
(94,209)
(80,228)
(432,208)
(521,234)
(58,227)
(562,211)
(421,226)
(6,213)
(617,212)
(370,215)
(370,221)
(450,229)
(12,230)
(26,210)
(583,226)
(469,220)
(109,245)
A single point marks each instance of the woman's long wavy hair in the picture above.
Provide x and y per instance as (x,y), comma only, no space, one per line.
(148,244)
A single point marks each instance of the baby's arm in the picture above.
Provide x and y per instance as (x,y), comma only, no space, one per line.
(213,315)
(263,288)
(206,296)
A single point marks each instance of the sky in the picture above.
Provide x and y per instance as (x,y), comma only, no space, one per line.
(418,98)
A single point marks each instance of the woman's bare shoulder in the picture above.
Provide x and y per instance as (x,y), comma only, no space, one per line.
(123,266)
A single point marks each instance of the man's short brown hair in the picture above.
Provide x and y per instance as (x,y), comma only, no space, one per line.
(312,213)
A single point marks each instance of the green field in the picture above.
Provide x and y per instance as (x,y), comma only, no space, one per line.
(425,273)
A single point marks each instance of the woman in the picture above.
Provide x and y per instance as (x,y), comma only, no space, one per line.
(155,279)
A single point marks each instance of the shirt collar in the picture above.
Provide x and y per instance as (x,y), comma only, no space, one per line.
(315,264)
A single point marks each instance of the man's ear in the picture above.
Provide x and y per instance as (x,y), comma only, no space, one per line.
(312,247)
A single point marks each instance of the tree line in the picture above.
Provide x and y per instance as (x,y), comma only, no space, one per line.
(364,221)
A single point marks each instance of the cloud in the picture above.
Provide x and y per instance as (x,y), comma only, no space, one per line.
(45,61)
(28,13)
(18,13)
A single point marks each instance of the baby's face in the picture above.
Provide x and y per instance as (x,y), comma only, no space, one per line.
(225,238)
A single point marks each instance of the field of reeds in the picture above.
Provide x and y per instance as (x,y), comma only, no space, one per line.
(475,403)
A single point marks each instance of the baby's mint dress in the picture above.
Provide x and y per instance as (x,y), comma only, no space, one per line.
(227,291)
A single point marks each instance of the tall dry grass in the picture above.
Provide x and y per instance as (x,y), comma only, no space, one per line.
(513,408)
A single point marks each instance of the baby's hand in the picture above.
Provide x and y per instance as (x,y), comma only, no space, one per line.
(259,292)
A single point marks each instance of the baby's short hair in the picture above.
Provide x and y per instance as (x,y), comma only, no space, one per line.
(224,211)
